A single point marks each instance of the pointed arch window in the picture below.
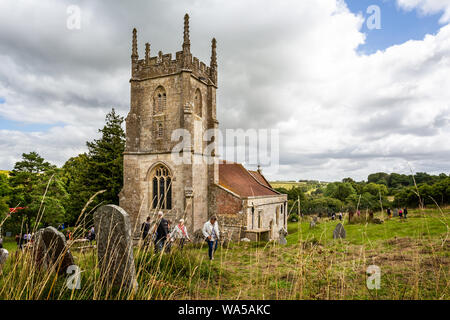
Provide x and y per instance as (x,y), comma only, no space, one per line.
(159,100)
(161,188)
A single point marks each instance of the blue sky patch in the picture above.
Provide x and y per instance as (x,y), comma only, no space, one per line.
(2,100)
(397,25)
(6,124)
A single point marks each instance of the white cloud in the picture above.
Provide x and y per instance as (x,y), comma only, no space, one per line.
(428,7)
(294,66)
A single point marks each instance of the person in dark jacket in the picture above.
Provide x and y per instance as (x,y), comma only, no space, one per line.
(145,229)
(405,212)
(161,232)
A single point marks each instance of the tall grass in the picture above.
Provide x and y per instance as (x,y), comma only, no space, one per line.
(413,255)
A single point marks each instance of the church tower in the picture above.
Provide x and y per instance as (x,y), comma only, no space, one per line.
(168,95)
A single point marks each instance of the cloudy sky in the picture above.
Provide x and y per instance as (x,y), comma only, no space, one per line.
(348,100)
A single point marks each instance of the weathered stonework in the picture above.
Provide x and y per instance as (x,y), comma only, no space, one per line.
(169,94)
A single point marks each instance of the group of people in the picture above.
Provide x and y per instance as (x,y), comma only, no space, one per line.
(164,235)
(402,213)
(339,215)
(23,239)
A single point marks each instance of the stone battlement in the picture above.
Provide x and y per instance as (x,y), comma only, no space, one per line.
(163,64)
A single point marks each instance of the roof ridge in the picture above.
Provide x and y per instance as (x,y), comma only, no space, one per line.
(249,172)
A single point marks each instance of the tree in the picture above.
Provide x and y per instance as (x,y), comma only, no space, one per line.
(376,189)
(38,188)
(379,178)
(5,192)
(100,169)
(339,190)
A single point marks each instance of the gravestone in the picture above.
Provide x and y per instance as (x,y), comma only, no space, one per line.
(283,233)
(377,221)
(339,232)
(312,224)
(49,249)
(396,212)
(114,246)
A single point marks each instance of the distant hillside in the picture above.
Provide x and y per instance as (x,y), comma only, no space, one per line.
(306,186)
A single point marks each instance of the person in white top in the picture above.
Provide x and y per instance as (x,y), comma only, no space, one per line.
(211,232)
(180,234)
(3,254)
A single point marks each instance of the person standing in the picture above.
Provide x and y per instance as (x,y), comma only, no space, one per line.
(400,213)
(145,229)
(405,212)
(180,234)
(92,234)
(211,233)
(388,211)
(162,232)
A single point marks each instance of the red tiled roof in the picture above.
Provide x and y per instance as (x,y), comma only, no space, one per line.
(234,177)
(261,179)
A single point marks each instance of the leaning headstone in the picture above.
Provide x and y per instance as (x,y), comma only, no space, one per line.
(377,221)
(114,246)
(282,233)
(395,212)
(339,232)
(50,249)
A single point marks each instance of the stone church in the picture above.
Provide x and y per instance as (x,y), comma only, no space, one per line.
(169,94)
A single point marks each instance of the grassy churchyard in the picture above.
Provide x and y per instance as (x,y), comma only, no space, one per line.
(413,256)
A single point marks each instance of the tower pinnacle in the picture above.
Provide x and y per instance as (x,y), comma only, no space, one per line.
(213,63)
(186,41)
(134,50)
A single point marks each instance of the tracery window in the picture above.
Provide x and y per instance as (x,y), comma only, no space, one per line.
(161,188)
(159,100)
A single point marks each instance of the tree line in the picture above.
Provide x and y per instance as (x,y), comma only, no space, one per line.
(380,191)
(43,194)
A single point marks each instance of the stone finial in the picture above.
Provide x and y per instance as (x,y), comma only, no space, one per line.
(213,63)
(259,169)
(147,53)
(186,41)
(134,50)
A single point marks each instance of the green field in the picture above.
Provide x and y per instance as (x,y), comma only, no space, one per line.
(286,184)
(414,257)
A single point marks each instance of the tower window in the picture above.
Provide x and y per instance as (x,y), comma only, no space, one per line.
(159,100)
(198,102)
(161,188)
